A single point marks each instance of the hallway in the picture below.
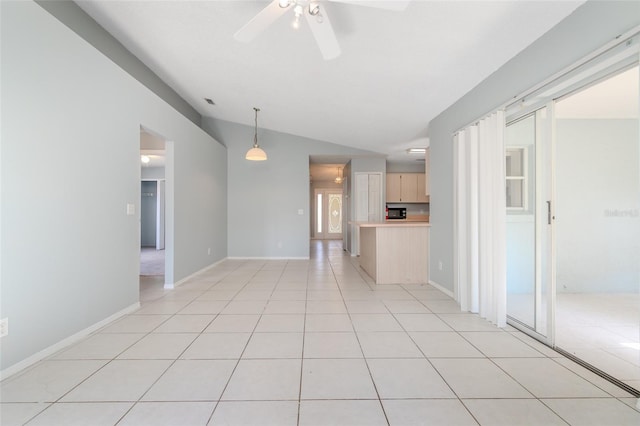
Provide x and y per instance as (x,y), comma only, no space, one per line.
(308,342)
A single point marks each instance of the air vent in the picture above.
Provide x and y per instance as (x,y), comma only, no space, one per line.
(209,101)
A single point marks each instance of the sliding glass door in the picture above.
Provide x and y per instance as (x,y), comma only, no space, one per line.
(528,227)
(598,225)
(572,159)
(573,229)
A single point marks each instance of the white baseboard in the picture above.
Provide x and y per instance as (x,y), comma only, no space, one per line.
(268,258)
(16,368)
(442,289)
(187,278)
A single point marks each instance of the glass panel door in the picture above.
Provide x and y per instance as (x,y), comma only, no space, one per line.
(334,214)
(528,223)
(598,226)
(328,214)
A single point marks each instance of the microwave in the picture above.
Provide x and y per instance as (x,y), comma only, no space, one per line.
(396,213)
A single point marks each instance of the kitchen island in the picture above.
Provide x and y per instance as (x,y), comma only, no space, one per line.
(395,252)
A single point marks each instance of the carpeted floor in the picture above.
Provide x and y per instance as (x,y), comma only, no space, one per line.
(151,261)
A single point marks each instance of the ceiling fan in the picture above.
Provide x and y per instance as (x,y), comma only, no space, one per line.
(316,16)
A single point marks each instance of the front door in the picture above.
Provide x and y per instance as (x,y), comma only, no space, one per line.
(327,214)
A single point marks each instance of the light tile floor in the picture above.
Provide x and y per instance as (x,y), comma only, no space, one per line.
(276,342)
(602,329)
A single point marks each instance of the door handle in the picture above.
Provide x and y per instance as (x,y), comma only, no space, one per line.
(548,212)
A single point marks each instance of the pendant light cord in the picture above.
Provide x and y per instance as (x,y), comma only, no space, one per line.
(255,136)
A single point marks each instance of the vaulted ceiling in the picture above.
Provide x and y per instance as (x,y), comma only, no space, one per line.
(396,72)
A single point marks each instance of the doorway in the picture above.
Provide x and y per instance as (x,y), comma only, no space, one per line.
(152,275)
(326,201)
(327,214)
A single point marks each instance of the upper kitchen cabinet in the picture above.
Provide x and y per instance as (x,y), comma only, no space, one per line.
(394,187)
(425,189)
(406,188)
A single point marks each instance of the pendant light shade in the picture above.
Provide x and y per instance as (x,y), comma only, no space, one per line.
(256,153)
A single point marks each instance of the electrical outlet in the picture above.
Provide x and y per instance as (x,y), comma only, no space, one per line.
(4,327)
(440,265)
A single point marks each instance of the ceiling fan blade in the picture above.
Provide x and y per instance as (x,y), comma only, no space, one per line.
(395,5)
(260,22)
(324,35)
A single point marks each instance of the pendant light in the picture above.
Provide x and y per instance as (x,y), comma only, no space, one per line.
(256,153)
(338,178)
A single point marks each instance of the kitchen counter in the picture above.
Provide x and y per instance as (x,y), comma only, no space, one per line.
(395,251)
(394,222)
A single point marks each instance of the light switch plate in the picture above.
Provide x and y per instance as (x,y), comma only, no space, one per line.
(131,209)
(300,212)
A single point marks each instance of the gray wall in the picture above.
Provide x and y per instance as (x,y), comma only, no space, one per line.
(152,173)
(75,18)
(60,272)
(588,28)
(265,196)
(598,173)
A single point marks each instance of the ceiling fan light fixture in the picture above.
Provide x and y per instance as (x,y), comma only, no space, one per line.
(256,153)
(314,8)
(284,3)
(297,11)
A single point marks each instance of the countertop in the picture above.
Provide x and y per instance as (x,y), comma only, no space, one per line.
(393,224)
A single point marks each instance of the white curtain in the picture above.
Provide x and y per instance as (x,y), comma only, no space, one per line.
(480,216)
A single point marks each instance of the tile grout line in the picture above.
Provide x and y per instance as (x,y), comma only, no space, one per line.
(179,355)
(304,334)
(217,404)
(364,358)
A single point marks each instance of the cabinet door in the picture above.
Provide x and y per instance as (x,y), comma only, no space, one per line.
(427,170)
(422,192)
(409,188)
(393,187)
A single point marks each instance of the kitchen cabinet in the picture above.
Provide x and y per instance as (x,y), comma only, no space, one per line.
(393,186)
(423,185)
(427,167)
(406,188)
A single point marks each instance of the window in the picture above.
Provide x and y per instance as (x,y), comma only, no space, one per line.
(516,175)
